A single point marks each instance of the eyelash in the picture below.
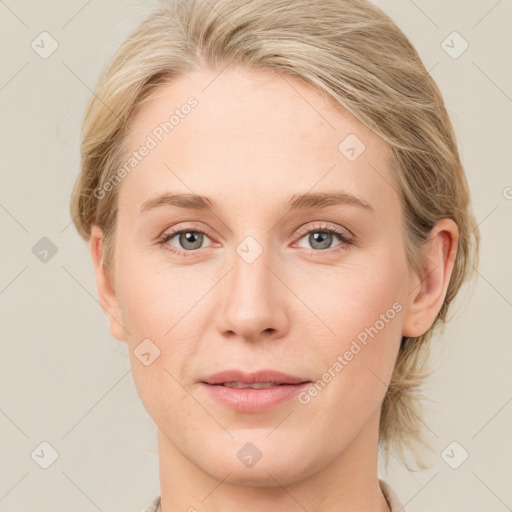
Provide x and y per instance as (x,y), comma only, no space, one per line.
(344,236)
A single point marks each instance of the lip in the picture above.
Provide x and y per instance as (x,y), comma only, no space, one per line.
(251,378)
(253,400)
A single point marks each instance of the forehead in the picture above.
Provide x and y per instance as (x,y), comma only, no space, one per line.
(252,134)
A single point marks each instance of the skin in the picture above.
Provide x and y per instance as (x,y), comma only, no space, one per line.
(251,143)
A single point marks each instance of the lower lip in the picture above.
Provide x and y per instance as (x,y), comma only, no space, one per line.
(254,400)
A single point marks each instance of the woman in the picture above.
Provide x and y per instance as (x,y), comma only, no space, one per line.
(278,220)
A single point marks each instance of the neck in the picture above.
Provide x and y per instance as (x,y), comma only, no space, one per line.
(348,482)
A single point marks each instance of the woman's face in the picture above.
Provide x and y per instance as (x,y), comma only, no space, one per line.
(270,277)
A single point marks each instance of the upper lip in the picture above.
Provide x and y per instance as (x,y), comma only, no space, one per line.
(253,377)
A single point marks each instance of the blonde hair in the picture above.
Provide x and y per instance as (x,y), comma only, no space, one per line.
(355,56)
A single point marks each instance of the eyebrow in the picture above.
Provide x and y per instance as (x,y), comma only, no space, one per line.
(296,202)
(321,199)
(190,201)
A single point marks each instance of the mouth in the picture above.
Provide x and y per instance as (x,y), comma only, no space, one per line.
(238,378)
(255,385)
(253,392)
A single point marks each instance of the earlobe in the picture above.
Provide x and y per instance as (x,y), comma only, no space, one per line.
(105,286)
(428,288)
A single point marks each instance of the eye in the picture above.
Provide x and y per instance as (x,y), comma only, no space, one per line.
(185,240)
(322,237)
(190,239)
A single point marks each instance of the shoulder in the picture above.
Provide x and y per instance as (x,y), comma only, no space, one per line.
(392,498)
(154,506)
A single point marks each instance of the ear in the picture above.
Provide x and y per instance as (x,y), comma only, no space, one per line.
(104,283)
(428,287)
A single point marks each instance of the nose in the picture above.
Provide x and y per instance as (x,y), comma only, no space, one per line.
(253,304)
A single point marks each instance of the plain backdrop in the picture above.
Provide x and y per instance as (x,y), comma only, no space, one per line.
(66,383)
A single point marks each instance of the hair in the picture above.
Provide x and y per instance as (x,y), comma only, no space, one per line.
(358,59)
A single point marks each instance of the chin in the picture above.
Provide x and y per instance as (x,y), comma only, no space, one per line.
(259,463)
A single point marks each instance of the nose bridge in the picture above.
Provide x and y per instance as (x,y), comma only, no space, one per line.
(253,296)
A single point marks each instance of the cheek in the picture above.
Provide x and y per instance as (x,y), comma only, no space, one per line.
(345,301)
(161,308)
(356,354)
(153,298)
(154,309)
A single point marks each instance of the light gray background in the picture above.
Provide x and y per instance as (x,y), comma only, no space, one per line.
(66,381)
